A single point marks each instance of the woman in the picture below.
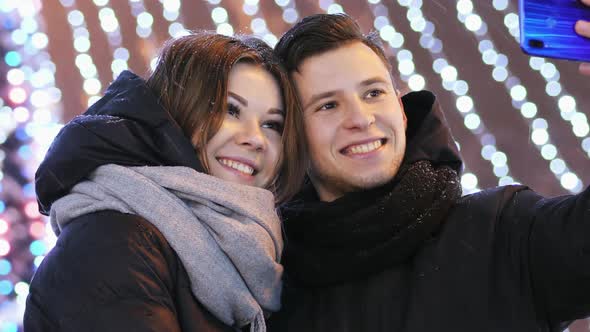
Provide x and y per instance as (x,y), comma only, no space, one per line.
(190,242)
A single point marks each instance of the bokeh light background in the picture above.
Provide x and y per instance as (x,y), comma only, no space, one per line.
(516,118)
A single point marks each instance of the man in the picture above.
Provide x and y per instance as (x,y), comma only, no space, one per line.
(381,239)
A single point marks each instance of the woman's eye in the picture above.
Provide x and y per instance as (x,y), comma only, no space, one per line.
(233,110)
(327,106)
(274,125)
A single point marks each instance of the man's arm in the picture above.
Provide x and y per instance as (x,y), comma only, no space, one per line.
(550,238)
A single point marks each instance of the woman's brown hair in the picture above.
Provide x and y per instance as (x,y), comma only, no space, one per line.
(191,81)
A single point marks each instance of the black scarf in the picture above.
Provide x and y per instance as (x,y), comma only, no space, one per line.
(366,232)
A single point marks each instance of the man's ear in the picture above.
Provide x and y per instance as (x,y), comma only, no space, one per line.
(399,99)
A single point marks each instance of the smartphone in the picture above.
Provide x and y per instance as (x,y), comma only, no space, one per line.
(547,29)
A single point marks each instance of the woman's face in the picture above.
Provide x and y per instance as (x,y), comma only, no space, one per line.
(247,147)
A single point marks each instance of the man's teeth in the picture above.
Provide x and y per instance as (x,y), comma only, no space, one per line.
(238,166)
(365,148)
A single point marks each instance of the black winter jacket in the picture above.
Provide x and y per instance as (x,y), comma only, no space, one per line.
(506,259)
(111,271)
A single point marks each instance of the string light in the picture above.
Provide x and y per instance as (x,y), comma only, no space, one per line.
(36,105)
(110,25)
(539,127)
(81,36)
(464,103)
(566,103)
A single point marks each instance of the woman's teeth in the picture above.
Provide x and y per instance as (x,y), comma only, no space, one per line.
(238,166)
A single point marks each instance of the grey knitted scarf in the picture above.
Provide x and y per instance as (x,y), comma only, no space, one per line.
(227,235)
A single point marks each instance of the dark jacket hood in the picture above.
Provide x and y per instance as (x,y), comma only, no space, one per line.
(428,134)
(127,127)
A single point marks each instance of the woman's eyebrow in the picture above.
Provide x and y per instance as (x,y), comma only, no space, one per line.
(239,98)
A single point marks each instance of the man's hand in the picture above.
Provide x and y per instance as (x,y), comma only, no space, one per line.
(583,29)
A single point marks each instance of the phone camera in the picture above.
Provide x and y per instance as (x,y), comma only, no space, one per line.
(535,43)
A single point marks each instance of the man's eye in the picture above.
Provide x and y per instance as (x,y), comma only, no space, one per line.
(375,93)
(327,106)
(233,110)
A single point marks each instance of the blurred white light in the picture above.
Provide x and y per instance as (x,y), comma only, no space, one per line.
(225,29)
(92,86)
(472,121)
(75,18)
(553,88)
(485,45)
(557,166)
(487,151)
(416,82)
(489,57)
(581,129)
(539,136)
(536,62)
(39,40)
(540,123)
(439,64)
(121,53)
(549,151)
(449,73)
(380,22)
(282,3)
(500,4)
(406,67)
(464,7)
(82,44)
(174,5)
(518,92)
(569,180)
(464,104)
(548,70)
(499,158)
(387,32)
(145,20)
(501,170)
(397,41)
(21,114)
(506,180)
(528,110)
(290,15)
(219,15)
(511,21)
(404,55)
(418,24)
(469,181)
(335,9)
(100,3)
(15,76)
(473,22)
(500,74)
(258,25)
(567,103)
(460,88)
(88,71)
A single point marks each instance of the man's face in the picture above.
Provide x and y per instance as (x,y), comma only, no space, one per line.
(354,121)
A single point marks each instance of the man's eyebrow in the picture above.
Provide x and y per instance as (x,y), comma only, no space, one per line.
(239,98)
(316,97)
(372,80)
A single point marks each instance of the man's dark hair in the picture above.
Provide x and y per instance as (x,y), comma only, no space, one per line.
(317,34)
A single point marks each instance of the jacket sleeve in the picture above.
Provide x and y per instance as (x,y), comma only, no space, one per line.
(108,272)
(555,239)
